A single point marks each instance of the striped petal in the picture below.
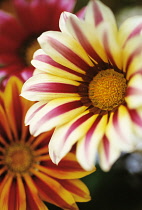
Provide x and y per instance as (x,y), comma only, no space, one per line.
(69,134)
(108,36)
(135,67)
(33,199)
(51,191)
(45,63)
(5,191)
(87,146)
(119,130)
(44,116)
(44,87)
(84,34)
(131,51)
(108,154)
(68,168)
(65,50)
(134,92)
(129,29)
(78,189)
(136,116)
(97,12)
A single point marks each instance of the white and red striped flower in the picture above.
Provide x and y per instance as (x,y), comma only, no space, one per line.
(88,84)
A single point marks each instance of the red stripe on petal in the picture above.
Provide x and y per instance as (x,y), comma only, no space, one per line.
(133,91)
(135,32)
(89,136)
(84,42)
(106,147)
(117,128)
(98,17)
(58,111)
(135,117)
(50,61)
(53,88)
(33,114)
(132,56)
(77,123)
(107,48)
(68,54)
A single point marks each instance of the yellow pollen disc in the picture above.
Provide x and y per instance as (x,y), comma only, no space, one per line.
(107,89)
(33,46)
(18,158)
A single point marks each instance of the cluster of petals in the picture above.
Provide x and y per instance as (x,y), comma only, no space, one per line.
(65,65)
(23,187)
(20,27)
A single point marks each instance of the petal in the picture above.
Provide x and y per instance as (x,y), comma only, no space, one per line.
(69,134)
(33,199)
(131,51)
(43,87)
(21,196)
(134,92)
(87,146)
(78,189)
(83,33)
(108,36)
(120,130)
(108,154)
(97,12)
(129,29)
(65,50)
(5,191)
(45,63)
(68,168)
(44,117)
(52,191)
(136,116)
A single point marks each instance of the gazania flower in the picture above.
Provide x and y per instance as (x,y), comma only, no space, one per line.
(88,81)
(19,32)
(27,175)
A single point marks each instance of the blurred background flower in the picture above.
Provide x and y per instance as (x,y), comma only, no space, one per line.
(27,175)
(21,22)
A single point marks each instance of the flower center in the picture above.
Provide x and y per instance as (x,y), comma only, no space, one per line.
(29,51)
(18,158)
(107,89)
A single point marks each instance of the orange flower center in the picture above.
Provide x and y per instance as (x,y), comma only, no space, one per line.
(29,51)
(107,89)
(18,158)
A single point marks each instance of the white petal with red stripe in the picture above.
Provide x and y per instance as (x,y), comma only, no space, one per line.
(67,135)
(65,50)
(109,39)
(97,12)
(129,29)
(131,51)
(84,34)
(120,131)
(88,145)
(108,154)
(55,113)
(43,87)
(46,64)
(134,92)
(136,116)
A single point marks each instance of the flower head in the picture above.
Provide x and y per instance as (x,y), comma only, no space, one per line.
(19,32)
(88,83)
(27,175)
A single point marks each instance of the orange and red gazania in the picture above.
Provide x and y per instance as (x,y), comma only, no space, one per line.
(27,175)
(19,31)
